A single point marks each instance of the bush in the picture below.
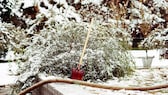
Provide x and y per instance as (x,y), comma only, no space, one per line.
(56,50)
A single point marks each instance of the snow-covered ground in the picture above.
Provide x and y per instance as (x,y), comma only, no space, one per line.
(141,77)
(6,76)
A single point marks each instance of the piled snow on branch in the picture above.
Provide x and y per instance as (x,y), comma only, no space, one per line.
(160,3)
(157,39)
(96,2)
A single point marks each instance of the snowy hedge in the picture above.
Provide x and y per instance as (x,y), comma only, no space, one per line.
(57,49)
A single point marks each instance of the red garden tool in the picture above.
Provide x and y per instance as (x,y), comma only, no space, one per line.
(77,73)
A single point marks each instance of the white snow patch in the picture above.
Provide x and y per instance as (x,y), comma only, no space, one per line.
(28,4)
(6,78)
(10,55)
(139,5)
(161,3)
(96,2)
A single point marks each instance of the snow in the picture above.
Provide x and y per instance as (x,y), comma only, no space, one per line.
(161,3)
(6,78)
(10,56)
(139,5)
(28,4)
(136,12)
(96,2)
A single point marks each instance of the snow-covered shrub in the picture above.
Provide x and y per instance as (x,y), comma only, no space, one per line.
(158,32)
(158,39)
(57,48)
(11,37)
